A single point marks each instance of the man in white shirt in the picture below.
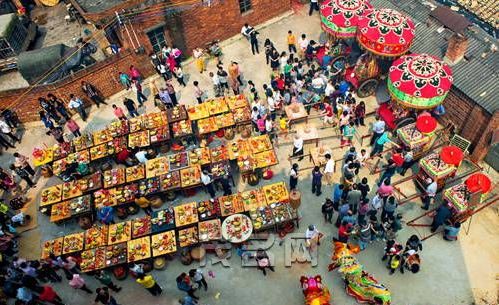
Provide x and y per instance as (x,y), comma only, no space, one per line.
(329,169)
(303,44)
(318,84)
(6,130)
(313,237)
(378,129)
(314,6)
(430,193)
(141,156)
(246,30)
(298,147)
(76,104)
(208,183)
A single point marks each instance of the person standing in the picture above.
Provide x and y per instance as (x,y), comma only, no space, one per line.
(329,169)
(58,105)
(141,98)
(92,93)
(363,209)
(198,278)
(23,174)
(104,297)
(274,60)
(135,74)
(48,294)
(430,193)
(338,194)
(222,78)
(208,183)
(198,93)
(125,80)
(130,106)
(293,177)
(344,232)
(73,127)
(353,198)
(49,109)
(316,181)
(389,208)
(364,234)
(379,144)
(46,120)
(105,279)
(179,75)
(245,30)
(314,6)
(23,163)
(254,41)
(118,112)
(298,147)
(164,97)
(389,171)
(291,39)
(77,105)
(6,130)
(77,282)
(269,49)
(443,213)
(263,261)
(150,284)
(198,55)
(328,210)
(171,92)
(408,160)
(58,134)
(216,84)
(378,129)
(235,73)
(184,284)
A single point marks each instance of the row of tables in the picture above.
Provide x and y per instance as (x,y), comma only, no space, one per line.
(224,218)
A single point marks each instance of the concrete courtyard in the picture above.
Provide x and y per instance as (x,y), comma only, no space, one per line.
(463,272)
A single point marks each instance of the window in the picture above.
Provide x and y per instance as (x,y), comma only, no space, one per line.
(244,6)
(157,38)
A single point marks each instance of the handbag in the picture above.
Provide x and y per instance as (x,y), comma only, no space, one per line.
(264,262)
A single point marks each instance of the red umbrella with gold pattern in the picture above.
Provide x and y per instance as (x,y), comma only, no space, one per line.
(339,17)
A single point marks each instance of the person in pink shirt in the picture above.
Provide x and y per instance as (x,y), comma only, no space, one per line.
(135,73)
(385,190)
(77,282)
(118,112)
(73,127)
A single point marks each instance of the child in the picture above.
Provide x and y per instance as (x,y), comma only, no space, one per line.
(73,127)
(360,113)
(348,133)
(291,42)
(316,181)
(362,157)
(260,123)
(394,263)
(283,124)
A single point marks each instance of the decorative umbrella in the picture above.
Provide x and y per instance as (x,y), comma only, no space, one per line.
(478,182)
(426,124)
(419,81)
(339,17)
(451,155)
(385,32)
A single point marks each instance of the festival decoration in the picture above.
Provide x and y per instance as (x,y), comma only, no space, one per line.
(452,155)
(478,183)
(339,17)
(314,291)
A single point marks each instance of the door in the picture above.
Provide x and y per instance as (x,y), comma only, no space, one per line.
(157,38)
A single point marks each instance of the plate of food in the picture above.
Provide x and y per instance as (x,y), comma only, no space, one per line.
(73,243)
(188,237)
(163,243)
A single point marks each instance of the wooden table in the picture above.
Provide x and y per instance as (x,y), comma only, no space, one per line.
(293,116)
(309,134)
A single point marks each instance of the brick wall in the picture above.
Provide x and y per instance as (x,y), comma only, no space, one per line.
(103,75)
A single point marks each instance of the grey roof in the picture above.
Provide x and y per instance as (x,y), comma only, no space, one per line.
(476,75)
(5,23)
(97,6)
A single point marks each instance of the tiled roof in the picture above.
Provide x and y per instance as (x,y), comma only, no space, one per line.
(476,75)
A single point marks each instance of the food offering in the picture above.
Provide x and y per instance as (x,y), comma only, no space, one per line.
(170,181)
(209,209)
(216,106)
(135,124)
(118,128)
(457,196)
(102,136)
(71,190)
(51,195)
(83,142)
(220,169)
(318,155)
(237,228)
(42,156)
(139,249)
(116,254)
(104,198)
(61,150)
(210,230)
(178,160)
(135,173)
(276,192)
(231,204)
(82,156)
(199,156)
(225,120)
(149,186)
(156,167)
(53,246)
(93,259)
(237,148)
(188,237)
(219,153)
(119,233)
(246,163)
(163,243)
(96,237)
(73,243)
(100,151)
(163,220)
(265,159)
(182,128)
(260,143)
(198,112)
(141,226)
(114,177)
(253,199)
(435,167)
(159,134)
(186,214)
(241,115)
(262,218)
(90,183)
(125,193)
(59,211)
(139,139)
(236,101)
(281,212)
(177,113)
(155,119)
(190,176)
(80,205)
(207,125)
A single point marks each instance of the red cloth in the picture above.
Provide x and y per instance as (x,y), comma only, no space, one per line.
(398,159)
(48,294)
(386,114)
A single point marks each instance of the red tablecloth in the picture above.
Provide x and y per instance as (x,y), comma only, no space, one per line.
(386,114)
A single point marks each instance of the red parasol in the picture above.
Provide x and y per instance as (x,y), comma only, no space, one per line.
(385,32)
(426,124)
(451,155)
(478,182)
(419,81)
(340,17)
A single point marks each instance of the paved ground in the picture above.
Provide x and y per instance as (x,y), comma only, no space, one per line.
(462,272)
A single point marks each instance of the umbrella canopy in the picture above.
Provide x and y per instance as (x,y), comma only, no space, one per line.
(478,182)
(340,17)
(452,155)
(426,124)
(419,81)
(385,32)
